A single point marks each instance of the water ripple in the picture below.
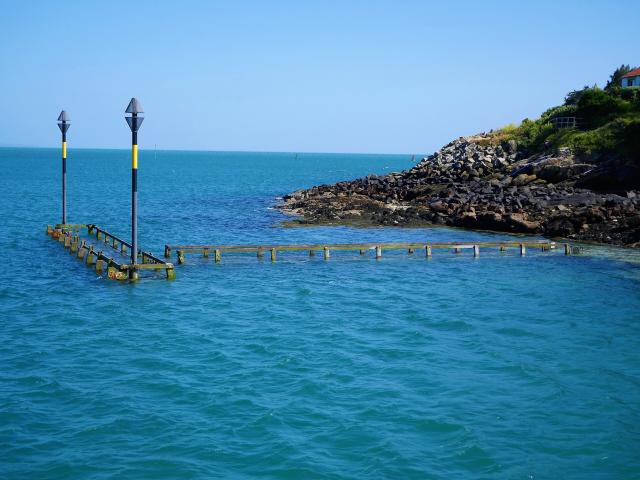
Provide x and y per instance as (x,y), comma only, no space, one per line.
(505,367)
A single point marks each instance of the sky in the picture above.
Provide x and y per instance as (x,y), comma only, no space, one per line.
(370,76)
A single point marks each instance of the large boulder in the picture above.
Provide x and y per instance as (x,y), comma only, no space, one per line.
(613,175)
(559,226)
(467,219)
(561,168)
(518,222)
(490,221)
(510,146)
(523,179)
(439,206)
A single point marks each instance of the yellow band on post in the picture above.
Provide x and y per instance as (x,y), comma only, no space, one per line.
(64,149)
(134,156)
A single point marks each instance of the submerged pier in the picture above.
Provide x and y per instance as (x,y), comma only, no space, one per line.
(108,252)
(102,250)
(362,248)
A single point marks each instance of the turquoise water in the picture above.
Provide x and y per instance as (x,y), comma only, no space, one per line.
(500,367)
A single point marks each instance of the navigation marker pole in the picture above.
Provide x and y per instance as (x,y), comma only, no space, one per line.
(63,125)
(134,122)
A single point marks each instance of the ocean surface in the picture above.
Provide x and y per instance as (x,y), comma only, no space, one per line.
(402,368)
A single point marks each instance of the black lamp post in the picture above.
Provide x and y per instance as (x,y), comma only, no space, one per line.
(63,125)
(134,122)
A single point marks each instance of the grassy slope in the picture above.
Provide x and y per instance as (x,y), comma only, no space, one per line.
(609,126)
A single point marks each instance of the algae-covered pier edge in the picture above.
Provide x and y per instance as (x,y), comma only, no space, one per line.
(573,173)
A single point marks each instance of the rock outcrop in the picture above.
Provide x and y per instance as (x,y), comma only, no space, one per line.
(474,183)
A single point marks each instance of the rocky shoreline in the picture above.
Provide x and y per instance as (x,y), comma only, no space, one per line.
(475,183)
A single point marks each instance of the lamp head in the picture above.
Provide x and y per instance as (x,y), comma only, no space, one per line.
(134,108)
(63,121)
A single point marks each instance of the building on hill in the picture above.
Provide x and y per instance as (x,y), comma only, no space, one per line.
(631,79)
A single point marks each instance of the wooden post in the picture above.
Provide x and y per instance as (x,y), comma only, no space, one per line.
(205,252)
(100,264)
(523,250)
(167,251)
(123,248)
(67,241)
(567,249)
(476,251)
(217,255)
(410,251)
(503,248)
(273,254)
(312,253)
(456,250)
(378,251)
(428,251)
(362,251)
(260,253)
(171,273)
(91,257)
(327,253)
(180,254)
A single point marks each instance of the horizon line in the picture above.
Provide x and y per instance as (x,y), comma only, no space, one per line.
(292,152)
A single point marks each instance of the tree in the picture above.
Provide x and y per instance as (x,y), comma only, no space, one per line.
(616,76)
(597,107)
(573,97)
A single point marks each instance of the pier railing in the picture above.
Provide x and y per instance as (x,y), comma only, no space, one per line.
(123,245)
(565,122)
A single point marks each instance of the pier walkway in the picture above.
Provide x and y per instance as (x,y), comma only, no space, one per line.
(362,248)
(103,251)
(106,252)
(122,260)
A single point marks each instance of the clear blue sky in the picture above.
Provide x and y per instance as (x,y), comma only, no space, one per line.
(324,76)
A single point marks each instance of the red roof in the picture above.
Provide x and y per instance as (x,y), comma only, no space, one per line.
(632,73)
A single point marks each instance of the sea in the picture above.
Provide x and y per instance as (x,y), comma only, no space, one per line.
(497,367)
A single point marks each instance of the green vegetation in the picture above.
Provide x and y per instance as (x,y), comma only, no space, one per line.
(616,76)
(608,123)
